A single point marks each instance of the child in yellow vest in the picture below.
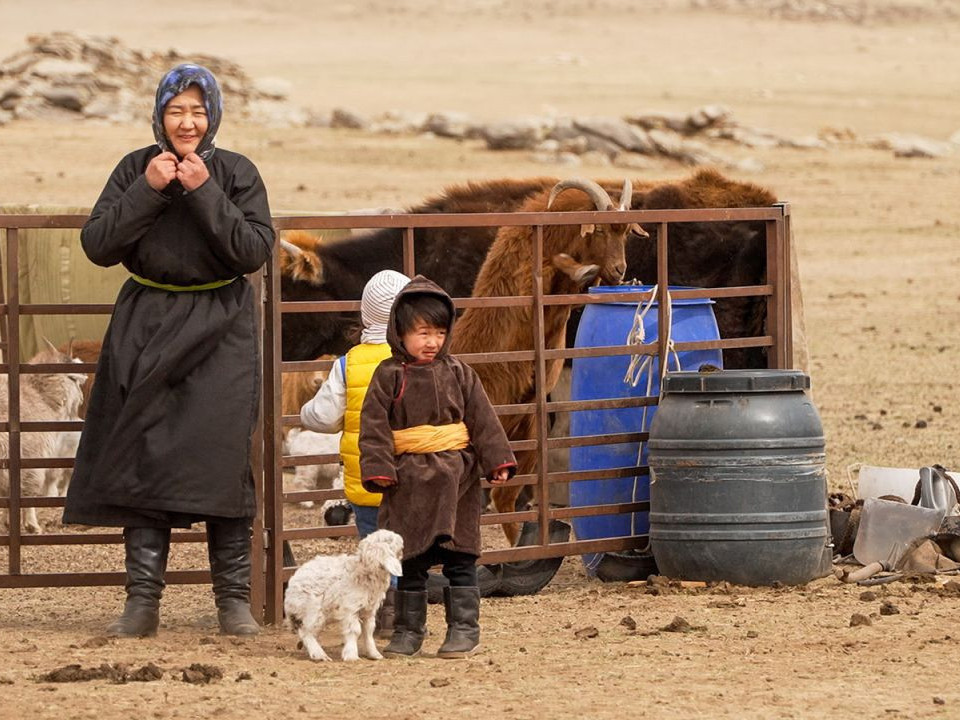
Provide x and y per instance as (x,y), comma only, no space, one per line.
(337,404)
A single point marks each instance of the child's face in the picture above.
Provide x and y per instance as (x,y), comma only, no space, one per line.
(423,341)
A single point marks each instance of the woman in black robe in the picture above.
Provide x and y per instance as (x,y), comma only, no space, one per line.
(167,437)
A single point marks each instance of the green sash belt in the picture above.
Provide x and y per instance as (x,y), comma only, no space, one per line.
(182,288)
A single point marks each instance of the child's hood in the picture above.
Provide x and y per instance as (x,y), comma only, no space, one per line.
(419,285)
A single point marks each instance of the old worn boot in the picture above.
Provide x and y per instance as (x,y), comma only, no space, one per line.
(228,545)
(386,614)
(410,624)
(462,606)
(146,562)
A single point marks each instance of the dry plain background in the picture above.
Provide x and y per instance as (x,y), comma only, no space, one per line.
(879,260)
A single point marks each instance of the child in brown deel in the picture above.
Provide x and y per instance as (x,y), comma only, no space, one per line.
(427,434)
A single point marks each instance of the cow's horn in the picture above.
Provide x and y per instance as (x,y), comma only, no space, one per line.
(599,196)
(626,195)
(291,249)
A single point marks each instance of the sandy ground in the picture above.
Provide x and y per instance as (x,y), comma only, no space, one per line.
(877,244)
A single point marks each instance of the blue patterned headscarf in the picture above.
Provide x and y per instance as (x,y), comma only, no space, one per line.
(175,82)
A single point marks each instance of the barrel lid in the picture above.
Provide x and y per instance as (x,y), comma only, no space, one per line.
(736,381)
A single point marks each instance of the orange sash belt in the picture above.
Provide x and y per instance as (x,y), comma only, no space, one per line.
(430,438)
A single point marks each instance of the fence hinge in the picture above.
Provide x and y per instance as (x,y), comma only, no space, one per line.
(266,539)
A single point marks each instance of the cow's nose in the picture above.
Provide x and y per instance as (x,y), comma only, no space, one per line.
(620,269)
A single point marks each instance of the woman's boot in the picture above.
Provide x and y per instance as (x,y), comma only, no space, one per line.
(409,624)
(146,562)
(228,544)
(462,606)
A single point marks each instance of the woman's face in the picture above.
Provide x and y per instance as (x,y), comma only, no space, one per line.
(185,121)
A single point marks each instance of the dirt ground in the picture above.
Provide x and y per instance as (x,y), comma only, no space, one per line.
(877,244)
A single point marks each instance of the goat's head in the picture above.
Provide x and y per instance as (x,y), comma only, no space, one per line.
(599,249)
(299,259)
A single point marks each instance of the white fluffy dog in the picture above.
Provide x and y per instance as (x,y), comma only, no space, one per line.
(348,588)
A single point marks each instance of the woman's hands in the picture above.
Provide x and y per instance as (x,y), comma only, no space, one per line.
(164,168)
(161,170)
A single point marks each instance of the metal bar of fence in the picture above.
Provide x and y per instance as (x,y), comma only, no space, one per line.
(773,301)
(433,220)
(540,379)
(13,398)
(97,538)
(272,442)
(42,580)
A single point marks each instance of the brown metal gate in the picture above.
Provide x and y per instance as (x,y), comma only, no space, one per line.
(269,461)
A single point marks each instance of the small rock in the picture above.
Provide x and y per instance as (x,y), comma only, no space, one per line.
(243,676)
(629,623)
(587,632)
(752,634)
(858,619)
(888,608)
(342,118)
(679,624)
(920,424)
(439,682)
(868,596)
(6,680)
(937,700)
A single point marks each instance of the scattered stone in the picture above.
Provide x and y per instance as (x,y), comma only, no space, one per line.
(96,641)
(920,424)
(629,623)
(937,700)
(868,596)
(523,134)
(905,145)
(6,680)
(858,619)
(586,633)
(117,673)
(888,608)
(243,676)
(200,674)
(752,634)
(679,624)
(450,125)
(343,118)
(73,76)
(439,682)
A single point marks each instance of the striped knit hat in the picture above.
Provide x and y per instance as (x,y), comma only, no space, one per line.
(375,304)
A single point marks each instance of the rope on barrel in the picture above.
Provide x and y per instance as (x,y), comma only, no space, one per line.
(640,364)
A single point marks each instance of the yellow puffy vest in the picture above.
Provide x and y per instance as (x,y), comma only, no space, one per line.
(362,360)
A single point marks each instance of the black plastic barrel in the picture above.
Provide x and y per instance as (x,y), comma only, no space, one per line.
(738,488)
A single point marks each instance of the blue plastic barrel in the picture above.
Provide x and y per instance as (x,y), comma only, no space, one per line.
(599,378)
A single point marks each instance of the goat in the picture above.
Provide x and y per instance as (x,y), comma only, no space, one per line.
(344,588)
(574,257)
(43,397)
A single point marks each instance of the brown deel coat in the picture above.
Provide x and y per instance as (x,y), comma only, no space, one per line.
(437,496)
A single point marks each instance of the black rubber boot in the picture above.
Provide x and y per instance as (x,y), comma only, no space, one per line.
(228,544)
(386,615)
(462,606)
(146,562)
(410,624)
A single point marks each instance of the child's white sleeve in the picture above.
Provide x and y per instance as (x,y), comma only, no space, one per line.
(324,412)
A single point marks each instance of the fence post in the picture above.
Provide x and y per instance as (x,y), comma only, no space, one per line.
(13,395)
